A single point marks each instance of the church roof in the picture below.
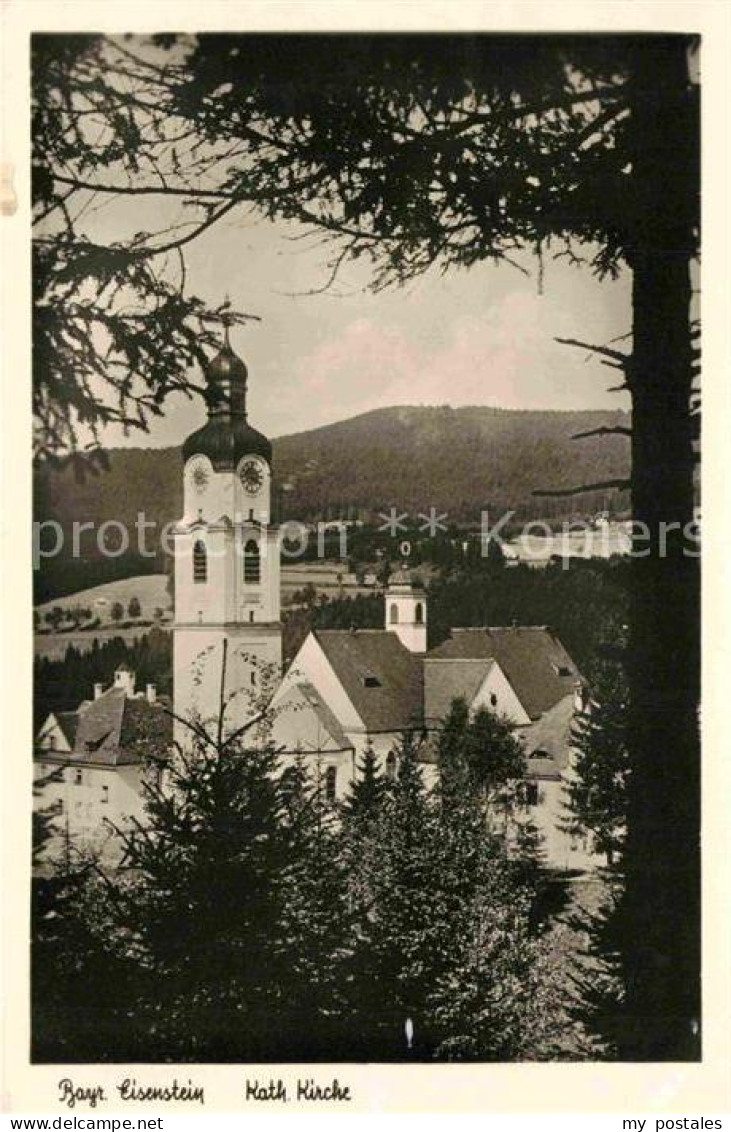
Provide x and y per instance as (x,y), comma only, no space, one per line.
(550,736)
(382,678)
(227,435)
(532,657)
(403,579)
(303,722)
(226,365)
(452,680)
(225,439)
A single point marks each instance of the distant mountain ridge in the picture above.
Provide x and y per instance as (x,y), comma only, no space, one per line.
(457,460)
(411,456)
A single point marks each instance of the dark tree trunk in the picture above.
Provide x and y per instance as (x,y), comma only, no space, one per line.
(661,925)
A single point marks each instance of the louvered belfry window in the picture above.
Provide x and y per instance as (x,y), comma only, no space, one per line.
(200,562)
(252,563)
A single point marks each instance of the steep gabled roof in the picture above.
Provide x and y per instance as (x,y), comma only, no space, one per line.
(303,722)
(100,725)
(551,734)
(115,730)
(68,722)
(383,680)
(448,680)
(532,657)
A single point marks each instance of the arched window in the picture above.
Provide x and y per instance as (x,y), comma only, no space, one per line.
(200,562)
(528,793)
(419,613)
(252,563)
(390,765)
(331,783)
(393,615)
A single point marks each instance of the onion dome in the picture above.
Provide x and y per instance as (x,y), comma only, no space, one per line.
(227,435)
(402,580)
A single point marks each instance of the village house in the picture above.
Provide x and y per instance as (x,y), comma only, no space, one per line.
(90,763)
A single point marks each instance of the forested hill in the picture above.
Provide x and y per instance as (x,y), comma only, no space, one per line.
(456,460)
(413,457)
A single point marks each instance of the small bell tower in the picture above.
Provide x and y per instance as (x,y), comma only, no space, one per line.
(406,610)
(227,577)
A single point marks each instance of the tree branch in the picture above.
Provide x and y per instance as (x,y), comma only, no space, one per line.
(617,355)
(604,430)
(143,190)
(621,485)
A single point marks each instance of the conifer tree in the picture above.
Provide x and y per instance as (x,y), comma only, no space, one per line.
(597,788)
(406,923)
(496,997)
(360,836)
(362,855)
(313,941)
(597,994)
(482,753)
(199,903)
(453,944)
(366,790)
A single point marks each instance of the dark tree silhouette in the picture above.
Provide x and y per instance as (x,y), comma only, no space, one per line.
(597,795)
(411,152)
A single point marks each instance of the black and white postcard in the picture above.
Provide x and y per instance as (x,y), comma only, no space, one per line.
(361,765)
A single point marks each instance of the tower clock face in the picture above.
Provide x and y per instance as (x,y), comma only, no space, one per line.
(251,476)
(199,476)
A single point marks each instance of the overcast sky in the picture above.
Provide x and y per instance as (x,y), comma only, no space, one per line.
(479,336)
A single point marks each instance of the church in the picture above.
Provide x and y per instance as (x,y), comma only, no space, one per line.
(345,691)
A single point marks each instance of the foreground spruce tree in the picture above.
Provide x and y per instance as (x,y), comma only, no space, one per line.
(596,806)
(366,792)
(359,838)
(498,998)
(177,945)
(240,929)
(405,920)
(446,927)
(194,912)
(313,943)
(597,791)
(480,753)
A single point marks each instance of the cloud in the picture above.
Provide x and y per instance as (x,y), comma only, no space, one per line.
(508,358)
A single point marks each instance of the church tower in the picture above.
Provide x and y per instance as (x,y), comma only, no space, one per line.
(406,610)
(226,559)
